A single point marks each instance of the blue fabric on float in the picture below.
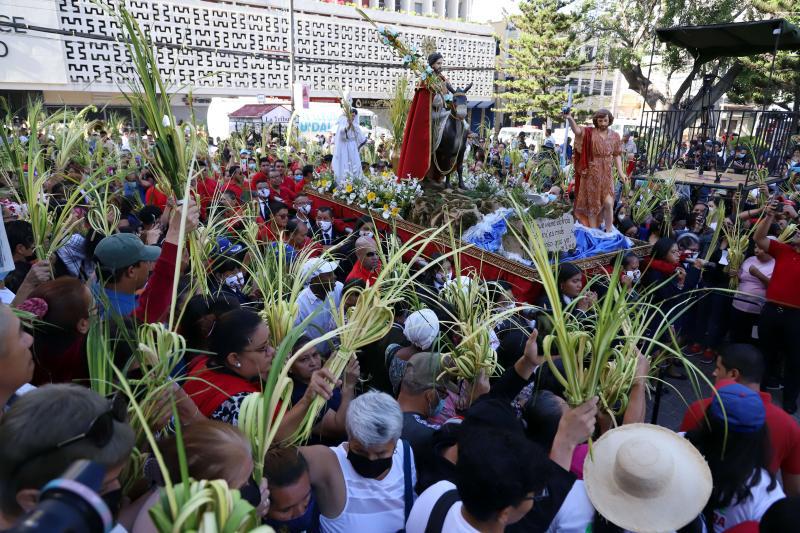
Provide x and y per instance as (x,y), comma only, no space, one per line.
(488,235)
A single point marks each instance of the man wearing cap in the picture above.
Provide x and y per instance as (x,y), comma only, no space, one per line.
(744,364)
(125,265)
(226,269)
(322,291)
(368,264)
(421,398)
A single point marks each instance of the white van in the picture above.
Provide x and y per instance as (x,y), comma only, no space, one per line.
(534,137)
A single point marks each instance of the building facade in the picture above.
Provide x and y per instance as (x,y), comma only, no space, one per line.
(72,51)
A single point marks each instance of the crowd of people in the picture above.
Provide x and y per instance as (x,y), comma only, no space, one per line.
(399,445)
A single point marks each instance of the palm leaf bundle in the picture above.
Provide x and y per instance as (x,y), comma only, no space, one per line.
(738,238)
(787,235)
(70,140)
(398,111)
(599,350)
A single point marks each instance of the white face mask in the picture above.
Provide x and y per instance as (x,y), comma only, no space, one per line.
(263,193)
(366,234)
(633,274)
(305,209)
(236,281)
(324,225)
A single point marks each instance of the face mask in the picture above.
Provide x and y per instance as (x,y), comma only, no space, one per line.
(324,225)
(633,274)
(368,468)
(366,234)
(263,193)
(113,500)
(305,209)
(304,522)
(251,166)
(298,177)
(439,277)
(551,197)
(436,411)
(236,281)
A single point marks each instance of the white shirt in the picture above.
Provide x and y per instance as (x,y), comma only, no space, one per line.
(372,505)
(454,521)
(6,296)
(751,508)
(576,512)
(323,322)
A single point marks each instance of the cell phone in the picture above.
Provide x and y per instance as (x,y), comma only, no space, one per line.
(779,207)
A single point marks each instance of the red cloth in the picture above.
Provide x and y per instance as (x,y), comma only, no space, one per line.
(155,197)
(56,363)
(157,295)
(231,185)
(582,158)
(415,154)
(212,387)
(359,272)
(751,526)
(663,266)
(784,432)
(783,288)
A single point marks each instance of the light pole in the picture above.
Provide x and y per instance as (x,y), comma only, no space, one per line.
(291,54)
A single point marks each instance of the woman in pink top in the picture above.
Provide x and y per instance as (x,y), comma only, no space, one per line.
(754,276)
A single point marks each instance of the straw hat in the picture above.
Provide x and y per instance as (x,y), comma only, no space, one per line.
(646,478)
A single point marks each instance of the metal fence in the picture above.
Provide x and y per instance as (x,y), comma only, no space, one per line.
(768,136)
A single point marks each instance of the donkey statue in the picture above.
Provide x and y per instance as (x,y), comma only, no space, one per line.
(449,132)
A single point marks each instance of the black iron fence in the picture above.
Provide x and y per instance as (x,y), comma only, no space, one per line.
(677,138)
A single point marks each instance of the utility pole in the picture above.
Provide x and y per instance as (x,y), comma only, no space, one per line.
(291,54)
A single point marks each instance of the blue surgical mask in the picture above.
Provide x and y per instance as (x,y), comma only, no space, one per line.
(304,522)
(551,197)
(298,177)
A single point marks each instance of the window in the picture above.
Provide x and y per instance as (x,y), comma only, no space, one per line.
(609,87)
(597,88)
(591,51)
(418,8)
(586,87)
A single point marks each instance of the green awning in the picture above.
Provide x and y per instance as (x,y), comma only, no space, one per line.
(705,43)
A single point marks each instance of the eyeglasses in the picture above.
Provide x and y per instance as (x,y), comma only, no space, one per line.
(99,433)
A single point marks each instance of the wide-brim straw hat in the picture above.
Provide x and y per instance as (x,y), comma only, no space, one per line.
(646,478)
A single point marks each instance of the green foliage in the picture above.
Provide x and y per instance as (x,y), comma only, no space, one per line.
(540,59)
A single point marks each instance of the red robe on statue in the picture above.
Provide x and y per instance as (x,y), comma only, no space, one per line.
(415,154)
(580,160)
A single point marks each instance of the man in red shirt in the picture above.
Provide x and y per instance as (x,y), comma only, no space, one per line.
(235,181)
(368,264)
(744,364)
(279,191)
(780,317)
(287,179)
(262,174)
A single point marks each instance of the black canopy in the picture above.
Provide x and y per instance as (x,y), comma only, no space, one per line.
(732,40)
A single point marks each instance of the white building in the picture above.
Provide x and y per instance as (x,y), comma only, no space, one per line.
(452,9)
(70,53)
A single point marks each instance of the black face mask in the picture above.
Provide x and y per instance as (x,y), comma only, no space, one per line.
(369,468)
(114,501)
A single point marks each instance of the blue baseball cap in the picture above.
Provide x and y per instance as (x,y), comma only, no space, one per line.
(226,247)
(744,408)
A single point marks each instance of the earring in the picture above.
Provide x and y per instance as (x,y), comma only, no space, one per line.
(238,364)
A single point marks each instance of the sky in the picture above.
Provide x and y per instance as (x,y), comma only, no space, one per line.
(492,10)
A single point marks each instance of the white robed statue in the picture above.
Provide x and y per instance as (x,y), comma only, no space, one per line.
(349,139)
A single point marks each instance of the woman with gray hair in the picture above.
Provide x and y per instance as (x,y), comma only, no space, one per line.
(37,447)
(369,479)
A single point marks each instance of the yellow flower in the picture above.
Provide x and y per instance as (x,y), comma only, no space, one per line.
(371,196)
(395,211)
(349,188)
(385,207)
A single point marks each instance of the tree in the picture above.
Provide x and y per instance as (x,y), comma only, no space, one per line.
(626,29)
(754,84)
(540,58)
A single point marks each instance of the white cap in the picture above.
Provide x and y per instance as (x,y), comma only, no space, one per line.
(315,267)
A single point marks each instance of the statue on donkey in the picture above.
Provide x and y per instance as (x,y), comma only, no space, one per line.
(435,137)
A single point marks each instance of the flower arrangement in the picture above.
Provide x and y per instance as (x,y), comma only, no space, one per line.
(375,192)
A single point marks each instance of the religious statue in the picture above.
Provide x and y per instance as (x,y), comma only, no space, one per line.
(596,150)
(347,142)
(434,140)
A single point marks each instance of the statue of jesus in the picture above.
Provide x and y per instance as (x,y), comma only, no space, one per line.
(596,150)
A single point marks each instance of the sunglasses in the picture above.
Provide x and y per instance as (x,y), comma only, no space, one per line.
(99,432)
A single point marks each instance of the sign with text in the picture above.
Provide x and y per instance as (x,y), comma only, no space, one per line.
(558,233)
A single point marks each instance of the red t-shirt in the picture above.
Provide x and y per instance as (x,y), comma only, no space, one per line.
(257,178)
(233,186)
(783,288)
(359,272)
(155,197)
(784,432)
